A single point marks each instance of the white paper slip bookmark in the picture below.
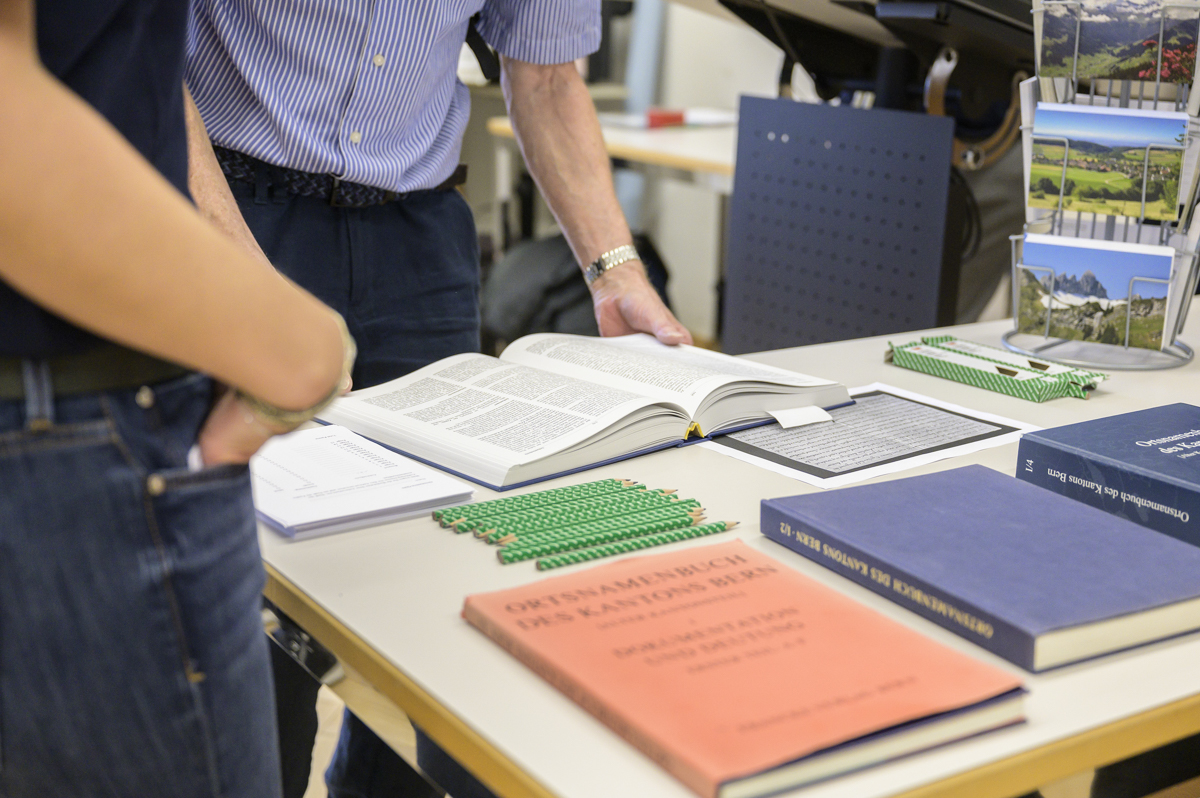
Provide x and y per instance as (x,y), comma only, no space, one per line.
(800,416)
(327,479)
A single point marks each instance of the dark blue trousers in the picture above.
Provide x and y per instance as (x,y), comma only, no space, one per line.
(405,275)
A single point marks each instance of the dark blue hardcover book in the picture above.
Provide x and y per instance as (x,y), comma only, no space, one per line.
(1033,577)
(1143,466)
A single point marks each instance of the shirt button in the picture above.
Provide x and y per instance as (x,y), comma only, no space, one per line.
(378,60)
(355,137)
(144,397)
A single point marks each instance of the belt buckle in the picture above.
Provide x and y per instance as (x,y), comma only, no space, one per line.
(335,194)
(338,196)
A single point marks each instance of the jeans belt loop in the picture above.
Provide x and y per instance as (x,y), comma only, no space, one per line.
(39,395)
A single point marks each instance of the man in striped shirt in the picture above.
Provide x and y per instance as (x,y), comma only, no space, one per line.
(339,127)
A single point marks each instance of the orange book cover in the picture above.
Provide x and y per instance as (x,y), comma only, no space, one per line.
(738,674)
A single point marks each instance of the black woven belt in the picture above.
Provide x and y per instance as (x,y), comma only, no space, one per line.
(339,193)
(108,367)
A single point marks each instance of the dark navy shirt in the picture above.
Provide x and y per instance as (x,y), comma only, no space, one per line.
(125,58)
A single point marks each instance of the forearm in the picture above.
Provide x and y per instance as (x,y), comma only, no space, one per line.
(93,233)
(556,126)
(559,135)
(207,184)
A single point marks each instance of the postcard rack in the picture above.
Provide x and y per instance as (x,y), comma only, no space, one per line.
(1127,229)
(1090,354)
(1124,98)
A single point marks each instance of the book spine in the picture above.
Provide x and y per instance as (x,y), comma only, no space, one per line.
(963,618)
(577,692)
(1105,485)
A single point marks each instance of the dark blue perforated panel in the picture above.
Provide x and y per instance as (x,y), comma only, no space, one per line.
(836,225)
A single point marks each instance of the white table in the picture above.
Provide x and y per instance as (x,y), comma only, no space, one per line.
(703,154)
(387,601)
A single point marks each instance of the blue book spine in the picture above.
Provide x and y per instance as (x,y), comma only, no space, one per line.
(825,547)
(1125,491)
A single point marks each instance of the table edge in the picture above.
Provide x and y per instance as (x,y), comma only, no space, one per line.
(1004,778)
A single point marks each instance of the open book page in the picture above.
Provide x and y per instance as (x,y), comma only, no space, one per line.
(472,413)
(685,375)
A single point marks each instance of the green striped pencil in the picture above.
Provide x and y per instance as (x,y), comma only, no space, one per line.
(538,499)
(596,526)
(567,512)
(510,554)
(496,530)
(633,544)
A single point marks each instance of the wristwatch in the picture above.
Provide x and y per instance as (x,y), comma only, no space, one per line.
(614,257)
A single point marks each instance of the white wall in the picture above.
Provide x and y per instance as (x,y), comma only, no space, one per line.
(706,62)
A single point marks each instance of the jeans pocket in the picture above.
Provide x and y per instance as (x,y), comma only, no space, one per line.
(71,435)
(183,479)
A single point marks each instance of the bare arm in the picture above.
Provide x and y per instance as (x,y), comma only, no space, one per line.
(208,186)
(556,127)
(95,234)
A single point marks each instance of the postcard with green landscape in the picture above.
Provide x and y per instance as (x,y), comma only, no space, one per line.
(1092,295)
(1106,160)
(1119,40)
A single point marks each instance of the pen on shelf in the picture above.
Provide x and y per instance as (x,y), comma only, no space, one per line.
(506,537)
(633,544)
(573,511)
(551,496)
(510,554)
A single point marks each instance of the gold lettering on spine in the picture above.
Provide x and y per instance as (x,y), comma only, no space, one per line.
(935,604)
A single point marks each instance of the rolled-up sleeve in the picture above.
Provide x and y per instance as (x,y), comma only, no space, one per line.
(542,31)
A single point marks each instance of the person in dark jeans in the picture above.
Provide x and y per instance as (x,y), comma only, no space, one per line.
(132,661)
(339,130)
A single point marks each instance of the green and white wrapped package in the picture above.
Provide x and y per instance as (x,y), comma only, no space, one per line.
(994,369)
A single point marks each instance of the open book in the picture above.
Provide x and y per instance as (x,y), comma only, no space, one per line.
(554,403)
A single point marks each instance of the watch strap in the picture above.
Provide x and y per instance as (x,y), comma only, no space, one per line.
(610,259)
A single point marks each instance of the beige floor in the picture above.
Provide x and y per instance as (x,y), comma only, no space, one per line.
(376,711)
(329,719)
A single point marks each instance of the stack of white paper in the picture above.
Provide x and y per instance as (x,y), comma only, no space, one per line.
(323,480)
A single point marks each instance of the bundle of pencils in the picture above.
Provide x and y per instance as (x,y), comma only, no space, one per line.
(581,522)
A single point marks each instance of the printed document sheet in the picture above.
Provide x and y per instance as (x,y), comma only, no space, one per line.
(327,479)
(886,430)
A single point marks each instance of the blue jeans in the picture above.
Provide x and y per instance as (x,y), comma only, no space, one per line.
(405,275)
(132,658)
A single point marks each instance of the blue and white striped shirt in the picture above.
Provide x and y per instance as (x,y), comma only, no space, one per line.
(363,89)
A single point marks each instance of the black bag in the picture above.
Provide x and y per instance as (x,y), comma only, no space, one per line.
(537,287)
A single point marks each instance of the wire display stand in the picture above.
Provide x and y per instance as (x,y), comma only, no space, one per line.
(1061,221)
(1090,354)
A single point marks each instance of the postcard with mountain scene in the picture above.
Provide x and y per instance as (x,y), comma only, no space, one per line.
(1092,291)
(1106,160)
(1118,40)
